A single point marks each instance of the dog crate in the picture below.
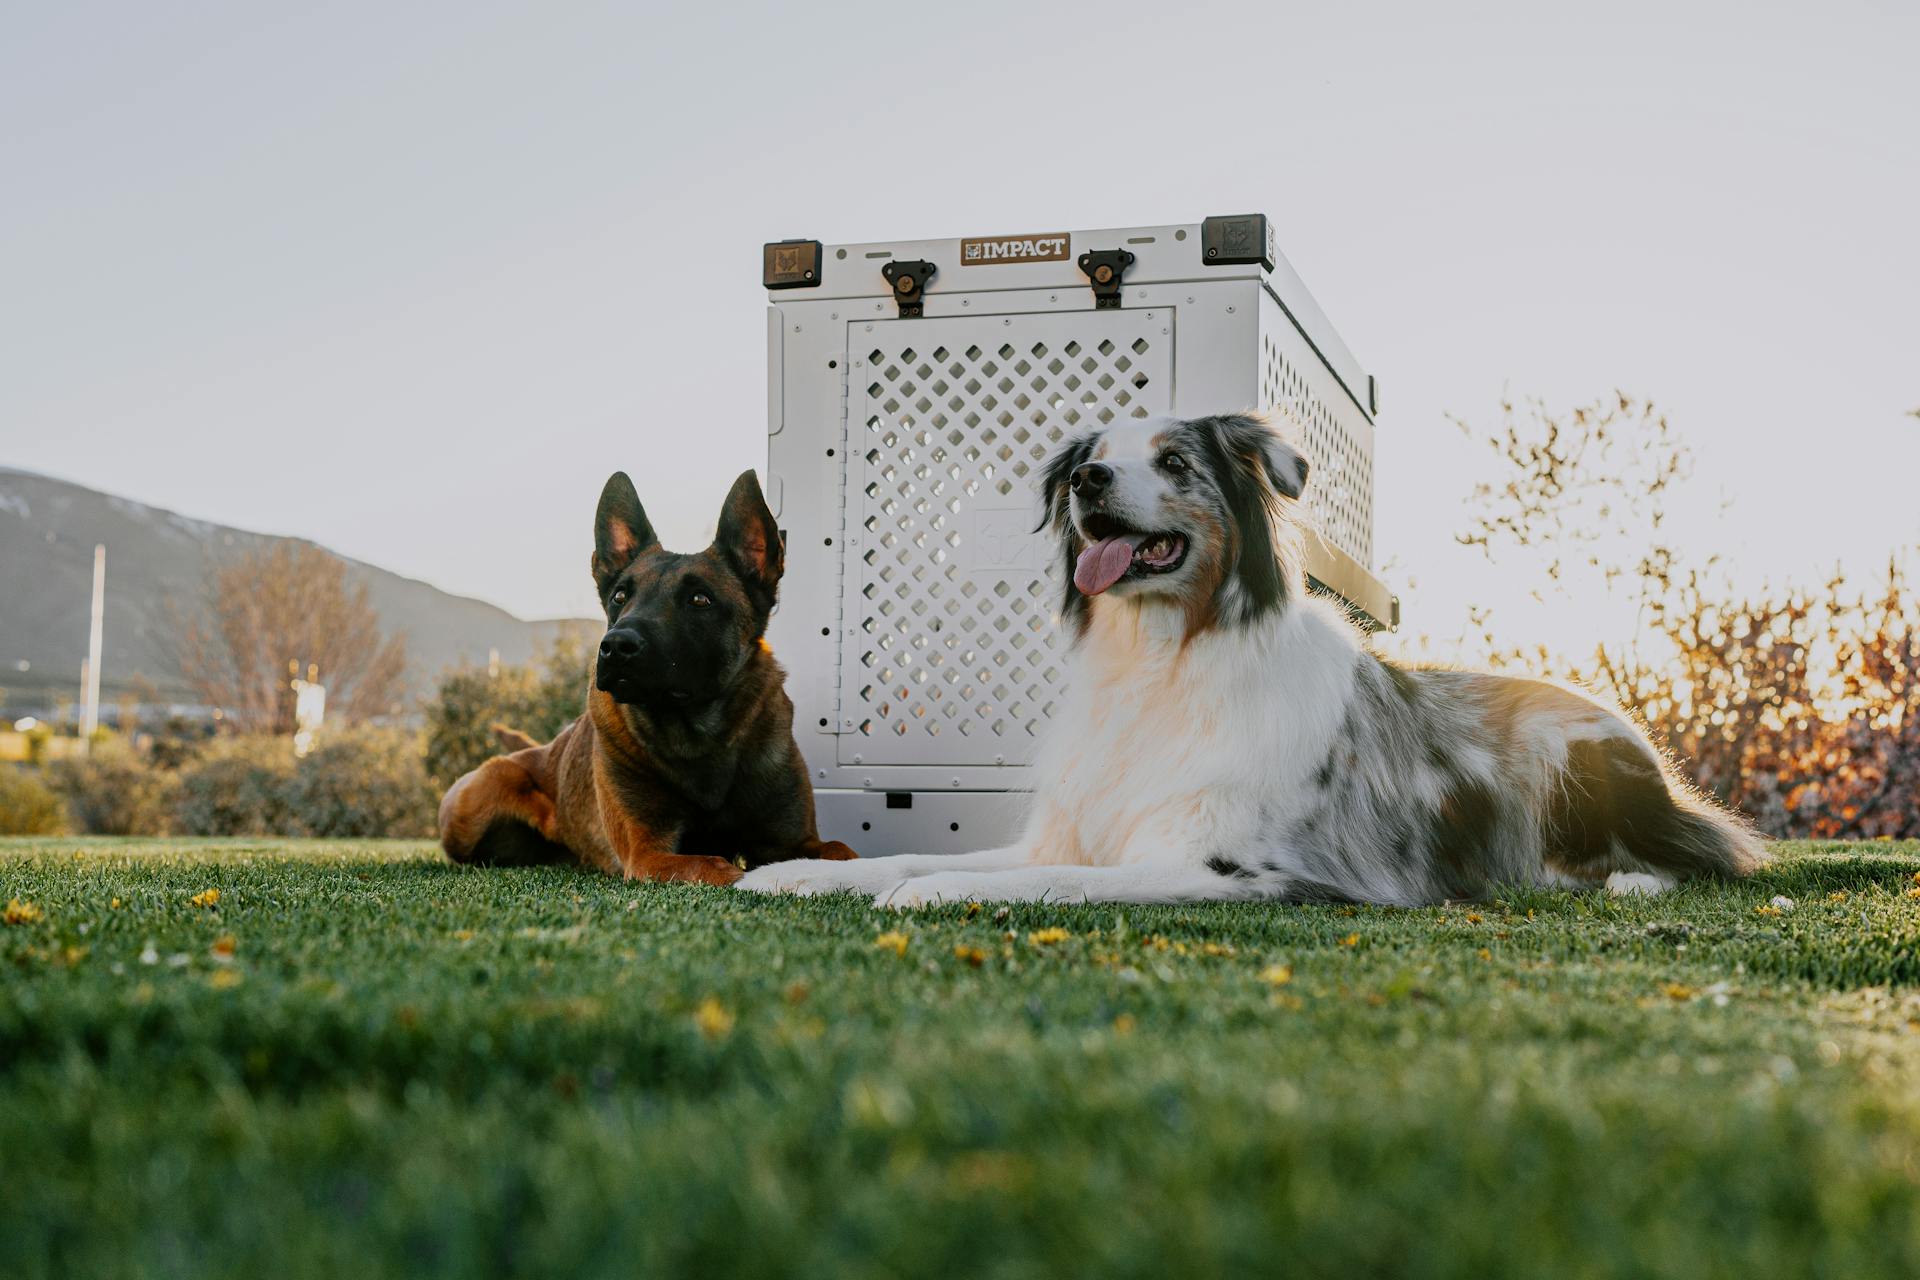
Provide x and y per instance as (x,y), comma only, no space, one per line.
(914,390)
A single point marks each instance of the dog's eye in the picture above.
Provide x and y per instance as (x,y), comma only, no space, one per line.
(619,597)
(1172,462)
(700,600)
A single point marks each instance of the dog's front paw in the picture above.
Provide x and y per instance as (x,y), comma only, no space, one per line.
(813,876)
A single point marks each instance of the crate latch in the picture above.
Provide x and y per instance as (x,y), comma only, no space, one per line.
(909,281)
(1104,268)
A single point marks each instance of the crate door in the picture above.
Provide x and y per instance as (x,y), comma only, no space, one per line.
(950,649)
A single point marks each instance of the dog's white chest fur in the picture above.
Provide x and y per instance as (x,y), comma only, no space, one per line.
(1170,747)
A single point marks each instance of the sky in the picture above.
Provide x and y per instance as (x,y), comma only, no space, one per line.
(411,280)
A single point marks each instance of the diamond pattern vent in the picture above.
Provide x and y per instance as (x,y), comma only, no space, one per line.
(950,652)
(1340,486)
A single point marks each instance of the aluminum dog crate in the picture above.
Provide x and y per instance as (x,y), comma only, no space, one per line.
(913,390)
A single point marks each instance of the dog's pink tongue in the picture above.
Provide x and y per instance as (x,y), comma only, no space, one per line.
(1103,564)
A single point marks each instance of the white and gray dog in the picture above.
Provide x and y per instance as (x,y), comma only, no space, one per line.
(1227,737)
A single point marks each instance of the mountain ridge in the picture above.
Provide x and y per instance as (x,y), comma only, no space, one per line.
(49,527)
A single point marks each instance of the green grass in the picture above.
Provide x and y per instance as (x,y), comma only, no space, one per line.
(408,1068)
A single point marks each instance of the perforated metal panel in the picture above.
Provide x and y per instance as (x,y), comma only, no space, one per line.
(1339,448)
(951,649)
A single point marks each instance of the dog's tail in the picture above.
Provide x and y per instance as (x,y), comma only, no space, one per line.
(1615,795)
(512,740)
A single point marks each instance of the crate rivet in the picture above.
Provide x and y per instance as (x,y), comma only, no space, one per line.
(956,782)
(822,773)
(999,759)
(796,328)
(1229,310)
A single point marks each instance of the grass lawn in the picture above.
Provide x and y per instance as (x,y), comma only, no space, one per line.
(361,1061)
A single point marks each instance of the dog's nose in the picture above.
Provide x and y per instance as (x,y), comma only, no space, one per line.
(619,646)
(1090,479)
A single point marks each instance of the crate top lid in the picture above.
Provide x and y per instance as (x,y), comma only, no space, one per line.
(1220,248)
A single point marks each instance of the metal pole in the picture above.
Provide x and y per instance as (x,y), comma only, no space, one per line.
(90,707)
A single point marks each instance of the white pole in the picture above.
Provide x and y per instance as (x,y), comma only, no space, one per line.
(90,707)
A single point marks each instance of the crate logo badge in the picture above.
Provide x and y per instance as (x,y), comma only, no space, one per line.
(983,250)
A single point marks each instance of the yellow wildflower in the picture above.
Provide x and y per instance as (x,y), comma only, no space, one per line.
(972,955)
(463,935)
(1914,892)
(893,940)
(1216,949)
(713,1019)
(19,912)
(973,909)
(1473,917)
(115,904)
(211,898)
(1278,975)
(1484,954)
(225,979)
(1678,991)
(1351,940)
(1838,895)
(1047,937)
(223,947)
(1124,1025)
(1766,909)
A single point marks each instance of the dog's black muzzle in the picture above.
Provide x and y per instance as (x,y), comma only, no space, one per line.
(636,670)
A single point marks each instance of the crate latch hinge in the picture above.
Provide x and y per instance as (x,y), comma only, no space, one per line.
(1104,268)
(909,280)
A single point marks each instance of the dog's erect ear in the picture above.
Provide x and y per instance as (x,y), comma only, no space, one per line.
(749,534)
(621,530)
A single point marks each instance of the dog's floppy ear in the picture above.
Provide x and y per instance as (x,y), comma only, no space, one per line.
(621,530)
(1054,493)
(1252,443)
(749,535)
(1256,468)
(1053,480)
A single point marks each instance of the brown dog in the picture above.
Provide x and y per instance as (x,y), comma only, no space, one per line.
(685,759)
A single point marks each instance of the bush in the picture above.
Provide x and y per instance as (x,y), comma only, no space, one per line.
(537,701)
(28,806)
(367,782)
(111,791)
(238,787)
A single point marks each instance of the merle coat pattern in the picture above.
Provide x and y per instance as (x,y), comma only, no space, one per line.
(1228,737)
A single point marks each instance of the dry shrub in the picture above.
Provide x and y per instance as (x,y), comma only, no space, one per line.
(28,806)
(1799,707)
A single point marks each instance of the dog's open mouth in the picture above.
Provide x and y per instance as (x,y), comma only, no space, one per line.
(1115,552)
